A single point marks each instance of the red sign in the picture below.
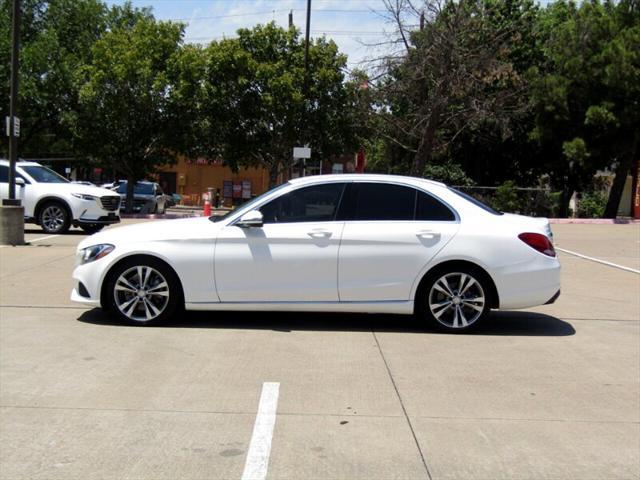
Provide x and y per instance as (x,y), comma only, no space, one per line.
(360,161)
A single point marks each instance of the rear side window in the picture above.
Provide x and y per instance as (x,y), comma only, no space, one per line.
(430,209)
(380,201)
(476,202)
(317,203)
(4,174)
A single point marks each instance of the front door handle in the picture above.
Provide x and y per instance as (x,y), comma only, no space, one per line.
(319,233)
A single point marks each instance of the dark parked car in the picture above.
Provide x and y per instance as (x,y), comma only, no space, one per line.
(148,197)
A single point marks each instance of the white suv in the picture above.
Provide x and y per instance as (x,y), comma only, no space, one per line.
(55,203)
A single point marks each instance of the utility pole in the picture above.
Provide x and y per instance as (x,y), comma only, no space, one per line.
(13,100)
(12,212)
(290,19)
(306,44)
(306,78)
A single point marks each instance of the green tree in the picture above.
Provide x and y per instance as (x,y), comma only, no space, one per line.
(258,106)
(135,107)
(586,94)
(457,74)
(56,41)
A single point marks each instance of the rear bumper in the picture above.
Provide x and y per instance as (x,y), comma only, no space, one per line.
(529,284)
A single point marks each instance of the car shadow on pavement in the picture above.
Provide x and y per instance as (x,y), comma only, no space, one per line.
(498,323)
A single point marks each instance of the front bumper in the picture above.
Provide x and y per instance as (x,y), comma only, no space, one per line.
(101,220)
(90,302)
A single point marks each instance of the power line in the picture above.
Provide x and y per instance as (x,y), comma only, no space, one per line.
(267,12)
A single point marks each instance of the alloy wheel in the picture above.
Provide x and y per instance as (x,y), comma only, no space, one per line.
(141,293)
(53,218)
(456,300)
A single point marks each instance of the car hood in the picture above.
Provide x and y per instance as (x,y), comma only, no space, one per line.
(159,230)
(67,188)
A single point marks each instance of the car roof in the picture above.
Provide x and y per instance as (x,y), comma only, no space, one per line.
(20,163)
(371,177)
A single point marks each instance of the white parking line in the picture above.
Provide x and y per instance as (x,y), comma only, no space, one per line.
(597,260)
(255,467)
(34,240)
(41,238)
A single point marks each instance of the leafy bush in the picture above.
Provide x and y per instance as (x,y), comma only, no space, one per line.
(449,173)
(506,198)
(592,204)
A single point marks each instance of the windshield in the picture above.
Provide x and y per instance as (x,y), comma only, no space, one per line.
(476,202)
(249,205)
(43,174)
(138,189)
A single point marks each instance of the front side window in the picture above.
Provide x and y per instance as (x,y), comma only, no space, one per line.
(4,174)
(43,174)
(317,203)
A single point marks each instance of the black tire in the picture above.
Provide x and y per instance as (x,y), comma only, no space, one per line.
(142,306)
(91,228)
(54,218)
(455,299)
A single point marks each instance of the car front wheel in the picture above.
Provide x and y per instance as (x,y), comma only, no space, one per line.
(54,218)
(456,300)
(142,291)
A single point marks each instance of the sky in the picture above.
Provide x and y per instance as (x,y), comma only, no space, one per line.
(355,25)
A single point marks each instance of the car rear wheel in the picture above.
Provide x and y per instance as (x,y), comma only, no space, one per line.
(143,291)
(456,300)
(54,218)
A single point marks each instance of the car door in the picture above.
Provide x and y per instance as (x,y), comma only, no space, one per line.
(293,257)
(392,232)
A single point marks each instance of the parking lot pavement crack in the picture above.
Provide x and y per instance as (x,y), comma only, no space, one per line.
(404,410)
(168,411)
(541,420)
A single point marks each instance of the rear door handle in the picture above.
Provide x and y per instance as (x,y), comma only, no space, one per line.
(427,234)
(319,233)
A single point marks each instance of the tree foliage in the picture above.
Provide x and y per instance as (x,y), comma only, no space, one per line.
(260,104)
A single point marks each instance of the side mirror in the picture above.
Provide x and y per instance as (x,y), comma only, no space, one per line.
(20,182)
(250,219)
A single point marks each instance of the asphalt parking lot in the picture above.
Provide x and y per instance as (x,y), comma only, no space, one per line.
(552,392)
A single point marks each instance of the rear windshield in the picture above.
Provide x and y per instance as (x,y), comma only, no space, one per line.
(476,202)
(139,189)
(43,174)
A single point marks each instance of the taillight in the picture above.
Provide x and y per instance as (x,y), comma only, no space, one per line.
(538,242)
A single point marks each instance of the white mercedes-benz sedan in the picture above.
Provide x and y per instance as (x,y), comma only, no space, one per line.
(328,243)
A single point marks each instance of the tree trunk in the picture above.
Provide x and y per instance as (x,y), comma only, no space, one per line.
(131,183)
(425,149)
(273,175)
(622,171)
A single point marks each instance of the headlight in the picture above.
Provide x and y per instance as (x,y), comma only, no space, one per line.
(95,252)
(84,196)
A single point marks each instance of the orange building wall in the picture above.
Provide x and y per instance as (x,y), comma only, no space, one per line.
(199,176)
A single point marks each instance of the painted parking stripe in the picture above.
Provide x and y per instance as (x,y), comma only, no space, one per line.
(255,467)
(597,260)
(34,240)
(42,238)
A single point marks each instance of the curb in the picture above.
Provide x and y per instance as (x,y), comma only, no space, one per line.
(596,221)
